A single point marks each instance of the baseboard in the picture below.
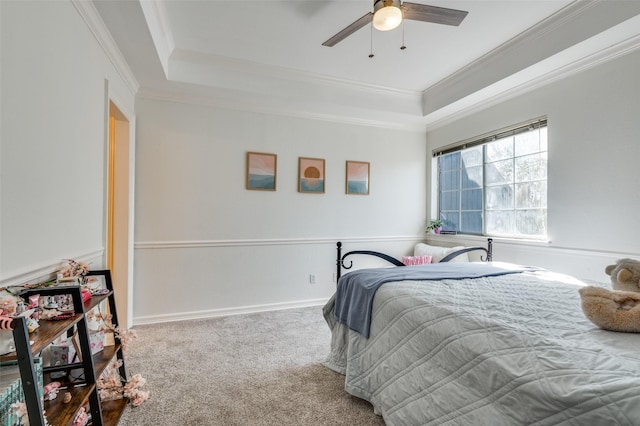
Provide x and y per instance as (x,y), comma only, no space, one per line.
(213,313)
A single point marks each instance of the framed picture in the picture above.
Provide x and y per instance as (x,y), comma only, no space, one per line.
(357,178)
(311,175)
(261,171)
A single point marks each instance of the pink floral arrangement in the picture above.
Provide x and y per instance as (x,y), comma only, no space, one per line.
(133,392)
(125,335)
(8,305)
(110,386)
(73,268)
(19,410)
(82,418)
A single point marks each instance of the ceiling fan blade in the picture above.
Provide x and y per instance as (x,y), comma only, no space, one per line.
(349,30)
(437,15)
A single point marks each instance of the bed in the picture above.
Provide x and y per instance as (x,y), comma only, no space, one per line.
(502,348)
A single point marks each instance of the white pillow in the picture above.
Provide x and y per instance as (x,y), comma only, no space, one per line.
(437,253)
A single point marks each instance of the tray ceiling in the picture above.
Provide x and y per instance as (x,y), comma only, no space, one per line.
(267,54)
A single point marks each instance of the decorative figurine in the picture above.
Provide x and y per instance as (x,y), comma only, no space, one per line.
(51,303)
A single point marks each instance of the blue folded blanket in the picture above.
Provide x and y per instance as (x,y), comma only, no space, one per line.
(354,296)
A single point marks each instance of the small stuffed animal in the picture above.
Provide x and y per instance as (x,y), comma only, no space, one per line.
(625,275)
(612,310)
(618,309)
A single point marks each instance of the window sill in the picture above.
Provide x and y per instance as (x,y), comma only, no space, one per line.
(466,239)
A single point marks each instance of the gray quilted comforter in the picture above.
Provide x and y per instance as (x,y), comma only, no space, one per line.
(508,350)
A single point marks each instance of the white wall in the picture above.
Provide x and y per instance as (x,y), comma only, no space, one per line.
(205,244)
(593,173)
(53,116)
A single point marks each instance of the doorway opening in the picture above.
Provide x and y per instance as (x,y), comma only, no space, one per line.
(119,221)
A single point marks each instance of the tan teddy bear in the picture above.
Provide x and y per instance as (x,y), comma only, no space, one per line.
(617,310)
(625,275)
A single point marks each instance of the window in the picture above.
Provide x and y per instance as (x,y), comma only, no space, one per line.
(496,184)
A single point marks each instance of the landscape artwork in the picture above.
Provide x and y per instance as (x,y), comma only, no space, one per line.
(357,178)
(261,171)
(311,175)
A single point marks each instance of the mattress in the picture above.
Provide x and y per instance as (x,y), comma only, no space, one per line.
(504,350)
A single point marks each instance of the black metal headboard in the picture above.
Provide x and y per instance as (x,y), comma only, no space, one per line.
(340,258)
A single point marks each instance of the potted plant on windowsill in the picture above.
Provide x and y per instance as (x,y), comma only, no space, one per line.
(435,226)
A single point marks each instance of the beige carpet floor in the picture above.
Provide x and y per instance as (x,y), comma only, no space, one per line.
(255,369)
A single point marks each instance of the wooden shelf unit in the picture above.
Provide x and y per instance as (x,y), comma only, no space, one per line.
(83,392)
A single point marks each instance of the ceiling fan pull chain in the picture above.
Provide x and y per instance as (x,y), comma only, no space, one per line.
(371,55)
(403,45)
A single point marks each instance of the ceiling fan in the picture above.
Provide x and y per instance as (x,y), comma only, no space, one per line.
(388,14)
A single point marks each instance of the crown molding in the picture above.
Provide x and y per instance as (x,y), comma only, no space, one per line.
(88,12)
(222,81)
(542,28)
(251,103)
(282,73)
(155,13)
(454,111)
(574,26)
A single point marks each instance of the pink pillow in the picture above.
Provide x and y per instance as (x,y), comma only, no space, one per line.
(416,260)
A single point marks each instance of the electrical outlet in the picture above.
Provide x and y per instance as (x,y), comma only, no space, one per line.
(312,278)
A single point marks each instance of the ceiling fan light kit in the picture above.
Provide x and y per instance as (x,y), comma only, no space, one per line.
(387,15)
